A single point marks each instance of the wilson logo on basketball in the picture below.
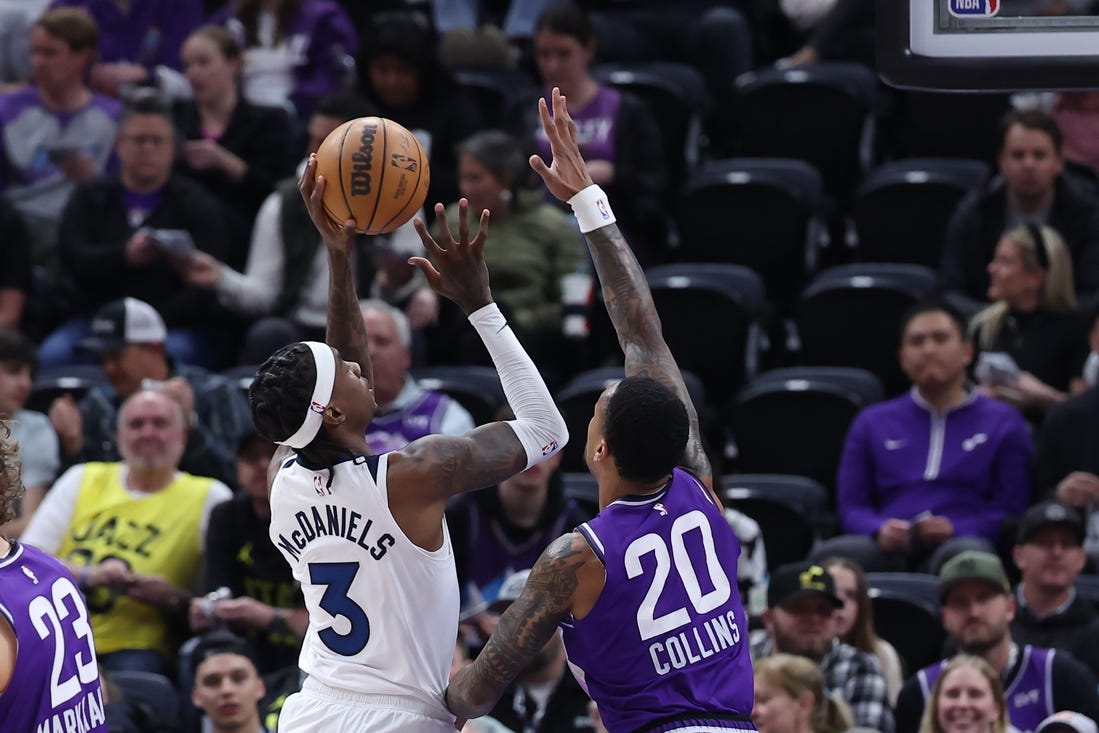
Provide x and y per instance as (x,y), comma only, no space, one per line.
(362,161)
(969,8)
(404,162)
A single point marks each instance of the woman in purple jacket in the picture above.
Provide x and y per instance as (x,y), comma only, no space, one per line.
(296,50)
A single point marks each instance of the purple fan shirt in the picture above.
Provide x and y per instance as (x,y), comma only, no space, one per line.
(666,645)
(55,684)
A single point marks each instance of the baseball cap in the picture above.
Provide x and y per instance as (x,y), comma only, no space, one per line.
(122,322)
(510,591)
(1049,514)
(801,579)
(972,565)
(1067,721)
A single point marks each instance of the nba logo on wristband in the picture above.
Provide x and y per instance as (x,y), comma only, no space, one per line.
(602,206)
(970,8)
(549,447)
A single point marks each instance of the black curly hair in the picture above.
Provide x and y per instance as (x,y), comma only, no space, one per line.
(646,427)
(281,391)
(11,479)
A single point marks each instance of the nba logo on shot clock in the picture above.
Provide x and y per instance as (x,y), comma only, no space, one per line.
(970,8)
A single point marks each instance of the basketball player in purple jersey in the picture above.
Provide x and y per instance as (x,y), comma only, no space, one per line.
(49,680)
(645,594)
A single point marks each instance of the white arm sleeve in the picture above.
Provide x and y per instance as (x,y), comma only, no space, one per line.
(538,422)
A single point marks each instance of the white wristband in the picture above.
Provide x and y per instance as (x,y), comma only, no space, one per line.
(591,209)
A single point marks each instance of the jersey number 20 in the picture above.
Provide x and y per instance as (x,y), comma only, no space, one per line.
(650,625)
(338,577)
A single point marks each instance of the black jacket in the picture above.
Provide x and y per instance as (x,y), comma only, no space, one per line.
(980,221)
(1068,441)
(566,710)
(94,232)
(1074,630)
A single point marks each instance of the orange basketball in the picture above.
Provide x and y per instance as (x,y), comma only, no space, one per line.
(376,173)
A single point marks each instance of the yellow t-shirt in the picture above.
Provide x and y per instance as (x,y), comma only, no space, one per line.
(156,534)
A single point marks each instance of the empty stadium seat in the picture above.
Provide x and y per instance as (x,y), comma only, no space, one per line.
(906,614)
(794,420)
(73,380)
(821,114)
(850,315)
(787,509)
(491,91)
(901,211)
(776,206)
(154,693)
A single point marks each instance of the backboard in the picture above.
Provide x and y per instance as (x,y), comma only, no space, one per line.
(987,45)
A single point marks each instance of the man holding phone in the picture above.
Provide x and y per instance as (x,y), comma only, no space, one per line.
(129,235)
(935,471)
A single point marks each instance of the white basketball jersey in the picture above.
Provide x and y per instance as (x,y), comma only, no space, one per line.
(383,612)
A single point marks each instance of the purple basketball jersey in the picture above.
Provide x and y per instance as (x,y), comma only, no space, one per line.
(1029,697)
(55,685)
(667,641)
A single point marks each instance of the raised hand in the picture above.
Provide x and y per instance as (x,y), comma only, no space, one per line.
(459,270)
(567,174)
(338,238)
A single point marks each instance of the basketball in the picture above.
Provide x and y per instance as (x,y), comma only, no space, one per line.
(376,173)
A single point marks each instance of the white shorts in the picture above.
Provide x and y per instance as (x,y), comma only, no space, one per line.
(321,708)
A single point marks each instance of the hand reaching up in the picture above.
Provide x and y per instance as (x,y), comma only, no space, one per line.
(457,268)
(567,174)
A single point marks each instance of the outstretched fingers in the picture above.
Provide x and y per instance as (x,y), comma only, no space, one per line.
(425,236)
(463,220)
(477,246)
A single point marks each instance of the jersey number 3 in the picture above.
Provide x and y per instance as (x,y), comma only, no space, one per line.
(338,577)
(648,623)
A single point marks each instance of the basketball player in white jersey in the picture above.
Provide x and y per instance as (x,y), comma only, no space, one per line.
(365,534)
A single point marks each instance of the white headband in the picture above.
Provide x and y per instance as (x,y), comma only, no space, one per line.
(322,393)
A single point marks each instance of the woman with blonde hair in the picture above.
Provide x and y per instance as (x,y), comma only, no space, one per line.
(968,697)
(1032,339)
(855,620)
(790,698)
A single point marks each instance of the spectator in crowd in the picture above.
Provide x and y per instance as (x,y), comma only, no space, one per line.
(263,602)
(141,40)
(1066,465)
(121,236)
(285,280)
(801,605)
(928,474)
(855,620)
(536,243)
(504,529)
(545,697)
(235,149)
(791,698)
(1033,321)
(400,73)
(617,133)
(132,532)
(16,274)
(31,432)
(836,30)
(129,338)
(1049,553)
(406,411)
(977,609)
(227,686)
(968,696)
(1077,114)
(297,50)
(57,131)
(1033,187)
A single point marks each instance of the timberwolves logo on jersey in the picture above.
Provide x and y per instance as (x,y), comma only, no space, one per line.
(974,8)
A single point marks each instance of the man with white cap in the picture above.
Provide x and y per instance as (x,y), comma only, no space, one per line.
(128,336)
(365,534)
(1067,721)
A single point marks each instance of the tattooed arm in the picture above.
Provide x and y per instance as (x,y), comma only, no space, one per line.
(566,580)
(346,330)
(625,289)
